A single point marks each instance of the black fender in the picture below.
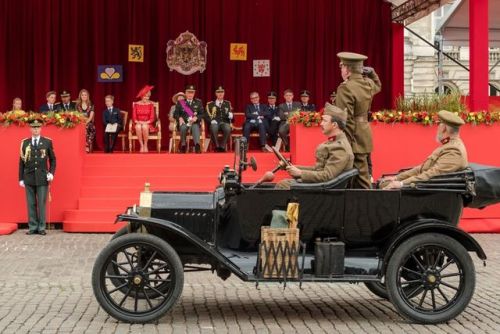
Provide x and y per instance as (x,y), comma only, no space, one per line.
(177,231)
(434,226)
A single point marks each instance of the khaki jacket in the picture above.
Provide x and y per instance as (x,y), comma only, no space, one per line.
(356,94)
(447,158)
(332,158)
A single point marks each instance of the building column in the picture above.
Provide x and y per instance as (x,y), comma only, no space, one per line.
(398,62)
(479,55)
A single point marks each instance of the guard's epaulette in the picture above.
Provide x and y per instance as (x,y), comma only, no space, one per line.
(27,138)
(57,103)
(47,138)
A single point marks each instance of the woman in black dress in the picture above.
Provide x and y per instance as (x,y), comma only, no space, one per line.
(84,105)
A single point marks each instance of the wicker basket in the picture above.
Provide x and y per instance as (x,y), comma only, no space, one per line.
(279,250)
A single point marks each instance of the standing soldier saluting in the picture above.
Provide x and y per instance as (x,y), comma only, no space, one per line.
(37,166)
(355,95)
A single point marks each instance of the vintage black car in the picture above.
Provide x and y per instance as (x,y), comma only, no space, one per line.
(404,245)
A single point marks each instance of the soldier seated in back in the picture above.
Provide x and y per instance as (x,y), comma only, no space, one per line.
(450,157)
(333,156)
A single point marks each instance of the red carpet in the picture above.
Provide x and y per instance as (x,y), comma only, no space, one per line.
(112,182)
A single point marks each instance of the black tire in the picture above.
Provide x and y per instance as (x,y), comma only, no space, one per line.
(128,306)
(442,279)
(120,232)
(378,289)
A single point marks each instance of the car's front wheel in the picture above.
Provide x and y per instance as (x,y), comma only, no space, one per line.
(441,275)
(145,262)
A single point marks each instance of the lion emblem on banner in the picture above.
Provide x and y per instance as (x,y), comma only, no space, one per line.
(186,54)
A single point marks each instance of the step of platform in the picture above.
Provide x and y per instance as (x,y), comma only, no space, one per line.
(112,182)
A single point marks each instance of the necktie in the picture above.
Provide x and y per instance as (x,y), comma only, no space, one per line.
(50,107)
(66,106)
(289,106)
(36,142)
(110,110)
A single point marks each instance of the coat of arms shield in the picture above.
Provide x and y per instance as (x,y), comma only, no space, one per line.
(186,54)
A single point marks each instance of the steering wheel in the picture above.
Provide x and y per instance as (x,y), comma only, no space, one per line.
(283,161)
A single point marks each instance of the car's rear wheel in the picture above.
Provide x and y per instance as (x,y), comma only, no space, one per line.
(441,275)
(131,300)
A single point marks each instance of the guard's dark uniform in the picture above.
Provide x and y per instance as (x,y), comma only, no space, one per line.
(308,107)
(34,164)
(220,114)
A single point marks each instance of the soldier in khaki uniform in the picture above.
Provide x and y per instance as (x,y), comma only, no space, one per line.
(37,165)
(450,157)
(333,156)
(355,94)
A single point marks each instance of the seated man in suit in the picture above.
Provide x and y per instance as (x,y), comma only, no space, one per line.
(304,101)
(219,115)
(450,157)
(333,156)
(189,115)
(285,109)
(111,115)
(66,103)
(256,114)
(50,105)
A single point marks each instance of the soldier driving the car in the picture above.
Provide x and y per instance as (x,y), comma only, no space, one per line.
(355,94)
(450,157)
(37,165)
(333,156)
(219,115)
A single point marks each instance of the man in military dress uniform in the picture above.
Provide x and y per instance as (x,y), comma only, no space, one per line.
(304,101)
(189,115)
(37,165)
(285,110)
(355,95)
(273,117)
(450,157)
(66,103)
(333,156)
(219,115)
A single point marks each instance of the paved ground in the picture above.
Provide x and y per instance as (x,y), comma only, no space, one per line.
(45,288)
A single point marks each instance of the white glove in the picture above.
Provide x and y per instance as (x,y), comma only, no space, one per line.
(252,121)
(21,183)
(50,177)
(260,121)
(230,115)
(276,118)
(214,122)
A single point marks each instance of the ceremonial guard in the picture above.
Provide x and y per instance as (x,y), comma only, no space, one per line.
(37,165)
(189,115)
(304,101)
(219,115)
(355,95)
(66,103)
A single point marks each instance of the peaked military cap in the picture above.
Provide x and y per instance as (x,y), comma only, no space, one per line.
(450,118)
(219,89)
(65,93)
(305,93)
(335,111)
(351,58)
(35,123)
(272,94)
(190,88)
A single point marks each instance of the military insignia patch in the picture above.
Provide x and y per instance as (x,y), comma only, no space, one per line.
(186,54)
